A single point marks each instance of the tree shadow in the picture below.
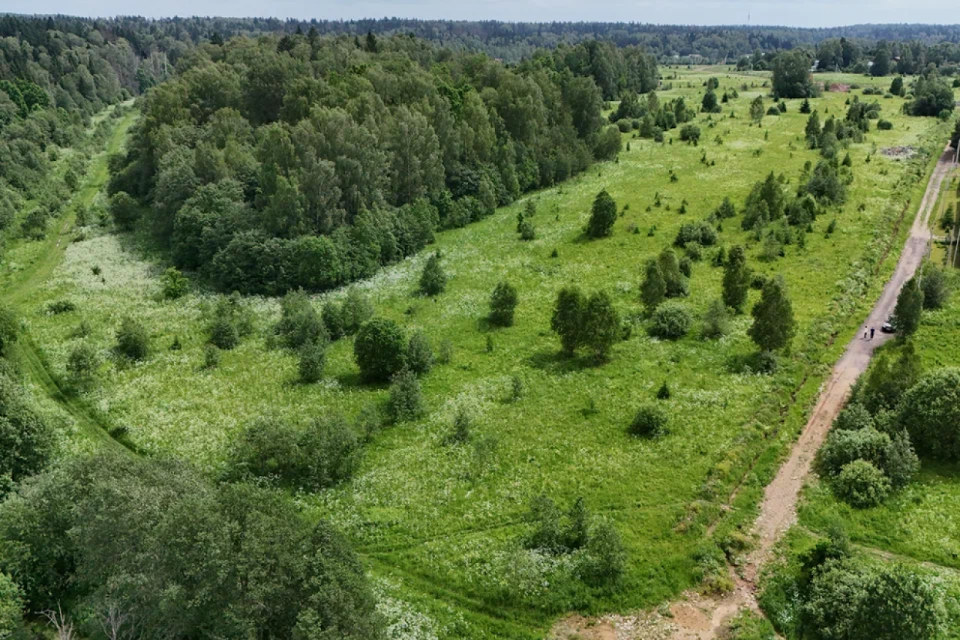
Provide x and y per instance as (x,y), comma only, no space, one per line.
(556,362)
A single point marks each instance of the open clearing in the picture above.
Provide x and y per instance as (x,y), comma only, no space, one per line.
(436,525)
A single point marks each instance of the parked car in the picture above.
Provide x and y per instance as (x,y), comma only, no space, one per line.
(889,326)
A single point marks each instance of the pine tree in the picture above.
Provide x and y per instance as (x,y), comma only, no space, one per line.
(503,303)
(672,276)
(654,287)
(773,323)
(909,306)
(602,216)
(736,279)
(433,280)
(805,106)
(567,320)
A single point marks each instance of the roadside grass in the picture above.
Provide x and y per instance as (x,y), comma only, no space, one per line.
(438,523)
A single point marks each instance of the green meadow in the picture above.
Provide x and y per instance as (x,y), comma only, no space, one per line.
(437,525)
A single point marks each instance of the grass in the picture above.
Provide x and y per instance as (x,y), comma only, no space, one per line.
(436,525)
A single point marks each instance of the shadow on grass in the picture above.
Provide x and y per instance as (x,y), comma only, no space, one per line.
(556,362)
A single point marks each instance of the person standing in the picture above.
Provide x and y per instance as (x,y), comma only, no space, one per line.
(871,332)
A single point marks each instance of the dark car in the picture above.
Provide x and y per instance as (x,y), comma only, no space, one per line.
(889,326)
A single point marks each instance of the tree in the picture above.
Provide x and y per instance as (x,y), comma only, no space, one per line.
(125,210)
(677,284)
(606,558)
(773,325)
(602,216)
(936,289)
(653,290)
(299,324)
(826,185)
(433,280)
(896,87)
(805,106)
(406,401)
(955,138)
(791,75)
(82,365)
(861,485)
(930,413)
(600,327)
(710,103)
(26,439)
(716,321)
(932,97)
(419,354)
(756,110)
(888,379)
(313,359)
(881,60)
(133,341)
(503,304)
(174,283)
(909,307)
(736,279)
(11,607)
(567,319)
(379,349)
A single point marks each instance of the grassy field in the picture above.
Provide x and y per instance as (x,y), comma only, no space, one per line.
(437,525)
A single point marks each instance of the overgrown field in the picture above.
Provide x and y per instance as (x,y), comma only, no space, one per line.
(438,524)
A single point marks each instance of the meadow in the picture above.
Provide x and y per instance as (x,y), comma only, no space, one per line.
(437,525)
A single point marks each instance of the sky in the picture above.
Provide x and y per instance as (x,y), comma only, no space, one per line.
(801,13)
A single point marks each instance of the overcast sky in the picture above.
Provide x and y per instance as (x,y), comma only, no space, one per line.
(806,13)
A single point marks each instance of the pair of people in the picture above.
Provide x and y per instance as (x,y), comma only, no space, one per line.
(871,332)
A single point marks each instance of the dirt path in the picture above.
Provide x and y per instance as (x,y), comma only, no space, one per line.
(18,290)
(703,618)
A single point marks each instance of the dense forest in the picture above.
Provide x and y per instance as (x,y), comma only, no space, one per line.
(302,161)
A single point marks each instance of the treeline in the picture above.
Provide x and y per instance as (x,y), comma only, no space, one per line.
(301,161)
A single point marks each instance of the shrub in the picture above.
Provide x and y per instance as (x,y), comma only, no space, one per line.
(419,354)
(355,310)
(173,283)
(861,485)
(433,280)
(843,447)
(503,303)
(26,440)
(690,133)
(406,402)
(320,455)
(299,322)
(716,321)
(701,232)
(884,125)
(527,231)
(211,356)
(9,328)
(600,325)
(82,365)
(313,360)
(379,349)
(853,417)
(125,210)
(649,422)
(671,321)
(133,342)
(606,557)
(223,334)
(58,307)
(663,393)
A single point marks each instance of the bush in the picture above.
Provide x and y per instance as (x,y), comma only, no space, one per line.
(133,342)
(224,334)
(690,133)
(313,360)
(527,231)
(419,354)
(355,310)
(936,289)
(503,303)
(26,440)
(321,455)
(211,356)
(82,365)
(9,328)
(125,210)
(299,322)
(884,125)
(843,447)
(58,307)
(379,349)
(701,232)
(174,284)
(671,321)
(861,485)
(853,417)
(649,422)
(930,413)
(606,557)
(716,321)
(406,402)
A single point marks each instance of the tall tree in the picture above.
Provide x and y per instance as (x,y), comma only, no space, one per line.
(601,325)
(736,279)
(602,215)
(567,319)
(653,290)
(773,325)
(909,307)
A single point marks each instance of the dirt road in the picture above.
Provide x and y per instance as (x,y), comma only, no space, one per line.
(699,618)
